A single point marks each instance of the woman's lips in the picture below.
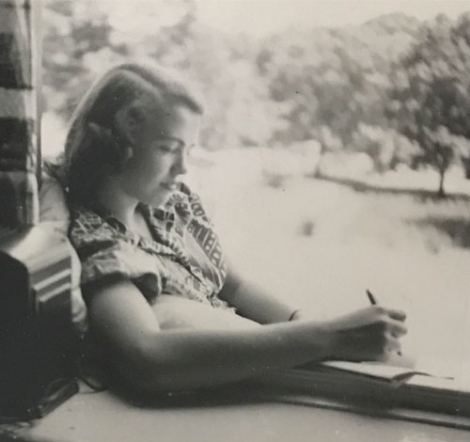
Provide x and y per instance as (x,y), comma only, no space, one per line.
(169,186)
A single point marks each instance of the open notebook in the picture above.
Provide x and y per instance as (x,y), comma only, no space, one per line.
(375,384)
(377,371)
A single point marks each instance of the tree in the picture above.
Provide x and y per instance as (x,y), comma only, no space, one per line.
(429,99)
(84,38)
(335,78)
(439,149)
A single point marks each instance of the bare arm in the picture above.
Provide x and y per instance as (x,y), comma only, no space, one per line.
(254,303)
(167,360)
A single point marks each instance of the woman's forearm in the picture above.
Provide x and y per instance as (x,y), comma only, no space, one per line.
(158,360)
(181,359)
(255,303)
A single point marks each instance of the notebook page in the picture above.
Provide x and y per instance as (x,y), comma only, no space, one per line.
(375,370)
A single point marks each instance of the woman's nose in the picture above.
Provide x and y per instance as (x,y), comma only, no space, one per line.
(180,164)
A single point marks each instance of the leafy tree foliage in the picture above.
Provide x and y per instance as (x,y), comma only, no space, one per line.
(429,102)
(82,39)
(392,88)
(337,78)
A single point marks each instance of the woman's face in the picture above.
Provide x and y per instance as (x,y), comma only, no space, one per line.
(159,157)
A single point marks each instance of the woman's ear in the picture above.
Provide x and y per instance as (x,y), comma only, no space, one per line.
(130,123)
(128,153)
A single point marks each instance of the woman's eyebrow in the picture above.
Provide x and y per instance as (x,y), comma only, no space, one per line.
(176,139)
(181,143)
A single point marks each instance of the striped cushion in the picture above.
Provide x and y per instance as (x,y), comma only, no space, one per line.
(55,215)
(19,149)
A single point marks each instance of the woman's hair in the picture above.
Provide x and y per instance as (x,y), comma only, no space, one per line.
(93,145)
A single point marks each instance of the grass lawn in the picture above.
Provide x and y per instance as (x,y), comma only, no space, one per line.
(321,243)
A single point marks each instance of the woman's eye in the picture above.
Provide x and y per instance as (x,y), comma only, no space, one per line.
(167,148)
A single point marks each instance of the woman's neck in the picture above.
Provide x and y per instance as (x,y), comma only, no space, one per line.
(117,202)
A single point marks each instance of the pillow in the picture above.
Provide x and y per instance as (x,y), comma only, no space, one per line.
(53,210)
(54,215)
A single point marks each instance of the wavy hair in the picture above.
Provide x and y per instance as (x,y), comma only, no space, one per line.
(93,145)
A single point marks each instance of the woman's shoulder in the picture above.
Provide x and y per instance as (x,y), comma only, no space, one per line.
(85,220)
(88,227)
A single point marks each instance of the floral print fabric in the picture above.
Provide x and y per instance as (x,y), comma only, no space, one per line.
(184,257)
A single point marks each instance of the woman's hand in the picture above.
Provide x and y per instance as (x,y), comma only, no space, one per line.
(370,334)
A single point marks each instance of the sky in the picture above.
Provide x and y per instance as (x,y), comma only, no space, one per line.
(262,17)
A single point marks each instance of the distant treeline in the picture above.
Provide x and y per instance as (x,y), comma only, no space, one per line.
(395,88)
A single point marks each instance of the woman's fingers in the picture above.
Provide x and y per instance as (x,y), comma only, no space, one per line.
(399,315)
(392,344)
(397,328)
(370,334)
(383,321)
(384,340)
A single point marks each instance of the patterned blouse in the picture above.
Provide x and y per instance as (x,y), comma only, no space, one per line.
(183,259)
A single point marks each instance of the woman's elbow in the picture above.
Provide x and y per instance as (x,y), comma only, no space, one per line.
(150,369)
(159,380)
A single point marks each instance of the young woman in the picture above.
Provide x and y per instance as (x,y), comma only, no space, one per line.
(164,308)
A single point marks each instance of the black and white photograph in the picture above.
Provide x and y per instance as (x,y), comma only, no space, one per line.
(227,220)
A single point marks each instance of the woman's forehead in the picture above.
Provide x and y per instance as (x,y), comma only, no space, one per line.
(173,121)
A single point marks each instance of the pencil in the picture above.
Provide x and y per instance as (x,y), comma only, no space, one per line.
(373,301)
(371,297)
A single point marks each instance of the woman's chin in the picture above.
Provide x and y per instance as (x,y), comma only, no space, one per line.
(161,198)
